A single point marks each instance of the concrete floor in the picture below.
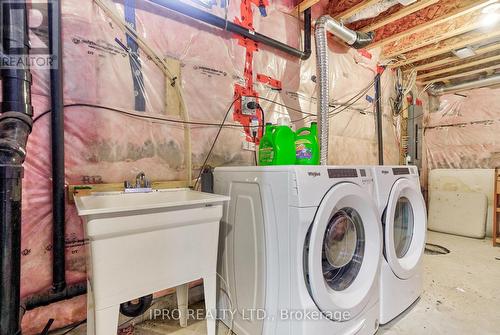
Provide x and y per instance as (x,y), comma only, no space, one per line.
(461,295)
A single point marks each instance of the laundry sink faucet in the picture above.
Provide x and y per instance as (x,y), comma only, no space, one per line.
(142,184)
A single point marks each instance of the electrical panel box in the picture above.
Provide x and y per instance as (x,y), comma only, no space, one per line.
(415,134)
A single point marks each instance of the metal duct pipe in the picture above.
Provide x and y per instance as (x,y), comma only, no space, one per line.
(490,81)
(357,40)
(15,125)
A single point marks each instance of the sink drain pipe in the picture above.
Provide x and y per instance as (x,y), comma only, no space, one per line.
(355,39)
(16,121)
(60,290)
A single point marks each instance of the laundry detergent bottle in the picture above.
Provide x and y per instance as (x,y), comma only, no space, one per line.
(284,143)
(307,145)
(266,146)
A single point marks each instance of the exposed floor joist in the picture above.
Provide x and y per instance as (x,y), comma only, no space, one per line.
(435,38)
(399,14)
(460,67)
(454,59)
(463,74)
(473,5)
(355,9)
(305,5)
(447,47)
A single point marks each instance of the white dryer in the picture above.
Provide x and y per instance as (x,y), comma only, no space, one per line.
(403,215)
(300,250)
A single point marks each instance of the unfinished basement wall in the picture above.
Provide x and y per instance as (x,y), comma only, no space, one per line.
(461,132)
(105,146)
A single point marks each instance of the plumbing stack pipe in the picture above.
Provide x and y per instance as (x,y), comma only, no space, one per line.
(15,126)
(60,290)
(355,39)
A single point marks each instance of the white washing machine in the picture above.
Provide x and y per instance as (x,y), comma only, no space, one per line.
(300,250)
(403,215)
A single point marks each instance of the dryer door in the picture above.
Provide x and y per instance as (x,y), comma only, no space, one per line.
(343,252)
(405,225)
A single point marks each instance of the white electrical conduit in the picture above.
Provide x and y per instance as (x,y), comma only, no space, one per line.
(355,39)
(490,81)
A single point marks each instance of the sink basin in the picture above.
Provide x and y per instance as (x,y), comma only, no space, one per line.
(119,213)
(141,243)
(115,202)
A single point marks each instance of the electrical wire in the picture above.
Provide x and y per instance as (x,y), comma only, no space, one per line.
(214,142)
(137,115)
(335,111)
(78,324)
(343,106)
(226,292)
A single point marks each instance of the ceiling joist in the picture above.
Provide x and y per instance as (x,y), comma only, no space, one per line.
(460,67)
(454,59)
(355,9)
(301,7)
(472,5)
(399,14)
(435,38)
(463,74)
(429,52)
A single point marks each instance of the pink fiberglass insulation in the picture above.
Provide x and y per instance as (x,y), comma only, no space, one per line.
(106,146)
(463,133)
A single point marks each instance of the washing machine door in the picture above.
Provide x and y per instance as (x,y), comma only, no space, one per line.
(405,225)
(343,252)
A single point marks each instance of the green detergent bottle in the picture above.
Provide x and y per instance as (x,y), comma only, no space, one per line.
(307,145)
(266,146)
(284,143)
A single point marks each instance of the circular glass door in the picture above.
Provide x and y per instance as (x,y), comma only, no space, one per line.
(343,249)
(342,252)
(405,228)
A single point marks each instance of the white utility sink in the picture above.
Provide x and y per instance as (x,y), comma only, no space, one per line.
(141,243)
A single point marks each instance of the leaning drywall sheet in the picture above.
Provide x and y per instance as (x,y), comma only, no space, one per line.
(461,200)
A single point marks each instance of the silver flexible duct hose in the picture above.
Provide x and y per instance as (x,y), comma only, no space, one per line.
(358,40)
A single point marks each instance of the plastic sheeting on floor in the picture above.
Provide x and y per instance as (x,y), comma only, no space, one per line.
(108,146)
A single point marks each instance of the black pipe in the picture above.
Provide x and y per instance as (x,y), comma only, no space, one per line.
(15,125)
(57,136)
(198,14)
(378,112)
(50,297)
(133,309)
